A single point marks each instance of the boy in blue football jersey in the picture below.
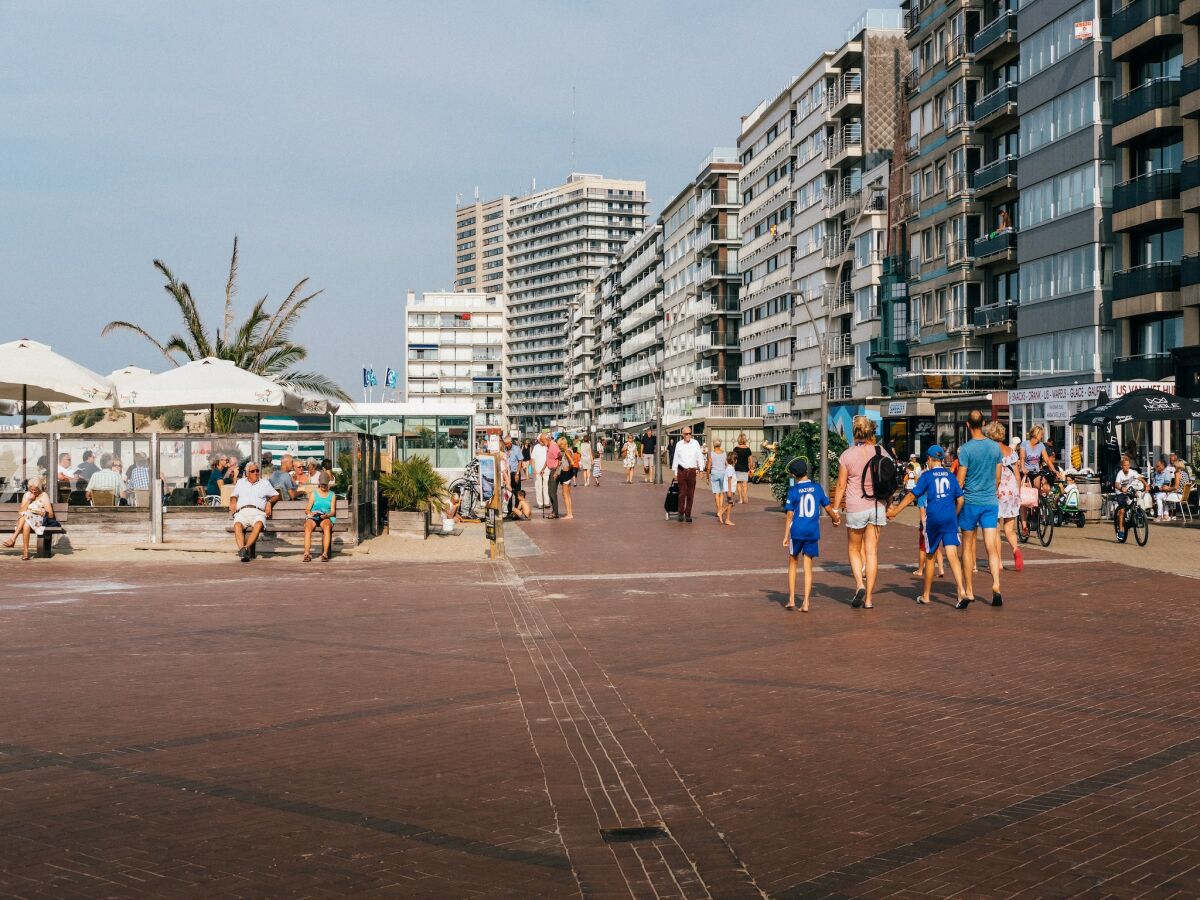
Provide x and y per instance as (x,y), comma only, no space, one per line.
(943,499)
(805,500)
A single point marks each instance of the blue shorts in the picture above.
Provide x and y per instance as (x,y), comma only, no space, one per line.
(808,548)
(939,534)
(973,516)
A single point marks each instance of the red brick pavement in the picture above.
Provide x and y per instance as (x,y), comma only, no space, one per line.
(468,730)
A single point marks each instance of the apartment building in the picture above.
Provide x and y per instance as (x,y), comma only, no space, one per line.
(455,351)
(1187,353)
(641,327)
(701,242)
(479,246)
(584,354)
(557,242)
(608,291)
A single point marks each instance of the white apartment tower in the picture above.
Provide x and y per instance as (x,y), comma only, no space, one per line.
(456,351)
(641,327)
(479,246)
(557,242)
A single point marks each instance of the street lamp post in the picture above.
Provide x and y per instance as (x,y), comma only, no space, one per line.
(660,399)
(823,465)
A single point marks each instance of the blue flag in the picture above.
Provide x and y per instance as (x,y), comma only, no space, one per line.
(391,378)
(369,379)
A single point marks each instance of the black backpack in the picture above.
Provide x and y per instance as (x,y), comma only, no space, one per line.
(885,477)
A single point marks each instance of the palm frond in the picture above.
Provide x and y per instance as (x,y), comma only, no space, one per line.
(230,291)
(120,325)
(312,383)
(280,359)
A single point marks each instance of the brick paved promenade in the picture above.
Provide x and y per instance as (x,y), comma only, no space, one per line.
(457,730)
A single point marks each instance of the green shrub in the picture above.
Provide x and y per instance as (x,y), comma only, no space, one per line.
(804,441)
(413,484)
(172,419)
(86,418)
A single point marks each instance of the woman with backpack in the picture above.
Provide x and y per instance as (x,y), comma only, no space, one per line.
(867,478)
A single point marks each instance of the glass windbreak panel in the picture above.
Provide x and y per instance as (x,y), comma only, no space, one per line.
(94,471)
(345,451)
(419,438)
(201,471)
(454,442)
(386,425)
(21,459)
(351,423)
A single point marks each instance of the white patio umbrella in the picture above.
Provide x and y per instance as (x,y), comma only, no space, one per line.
(208,382)
(32,372)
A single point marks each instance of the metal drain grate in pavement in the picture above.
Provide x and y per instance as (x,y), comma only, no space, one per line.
(632,833)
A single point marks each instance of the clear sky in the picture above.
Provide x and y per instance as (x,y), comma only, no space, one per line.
(332,137)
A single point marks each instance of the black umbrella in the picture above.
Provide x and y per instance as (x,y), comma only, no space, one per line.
(1143,405)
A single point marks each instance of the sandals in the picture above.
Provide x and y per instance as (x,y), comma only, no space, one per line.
(10,544)
(308,557)
(26,557)
(324,557)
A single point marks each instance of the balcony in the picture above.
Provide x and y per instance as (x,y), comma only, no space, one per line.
(1139,12)
(714,270)
(847,139)
(845,91)
(958,50)
(995,244)
(839,392)
(1002,100)
(1001,30)
(715,375)
(958,116)
(959,320)
(715,342)
(995,175)
(709,305)
(912,145)
(1190,269)
(905,207)
(959,253)
(1146,367)
(958,186)
(834,245)
(838,349)
(1151,278)
(909,82)
(949,381)
(716,199)
(1160,185)
(710,234)
(995,318)
(837,298)
(1157,93)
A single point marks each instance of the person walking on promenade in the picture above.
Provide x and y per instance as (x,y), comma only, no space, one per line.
(586,460)
(541,475)
(730,486)
(566,474)
(716,479)
(685,463)
(629,457)
(741,468)
(802,531)
(1010,490)
(597,468)
(516,463)
(979,472)
(250,505)
(865,514)
(553,463)
(649,448)
(943,500)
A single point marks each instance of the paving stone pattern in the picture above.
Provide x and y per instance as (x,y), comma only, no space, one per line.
(475,729)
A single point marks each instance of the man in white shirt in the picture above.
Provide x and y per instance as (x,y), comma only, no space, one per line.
(250,505)
(688,459)
(541,475)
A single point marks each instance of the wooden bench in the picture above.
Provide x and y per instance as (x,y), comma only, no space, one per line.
(287,520)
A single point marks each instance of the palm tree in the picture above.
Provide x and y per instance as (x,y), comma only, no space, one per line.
(261,343)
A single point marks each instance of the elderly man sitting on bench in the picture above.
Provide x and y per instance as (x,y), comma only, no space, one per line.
(250,505)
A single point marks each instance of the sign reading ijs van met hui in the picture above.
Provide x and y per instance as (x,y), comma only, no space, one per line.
(1083,30)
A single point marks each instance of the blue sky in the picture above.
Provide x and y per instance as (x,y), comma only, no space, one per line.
(332,138)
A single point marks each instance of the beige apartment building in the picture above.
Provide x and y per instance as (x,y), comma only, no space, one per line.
(479,246)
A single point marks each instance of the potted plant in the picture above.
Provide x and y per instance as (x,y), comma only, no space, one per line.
(413,489)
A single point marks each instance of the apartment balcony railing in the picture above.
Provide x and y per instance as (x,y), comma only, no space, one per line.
(989,317)
(994,172)
(958,184)
(839,392)
(846,88)
(715,375)
(1189,270)
(958,49)
(1157,93)
(834,245)
(958,116)
(914,268)
(909,82)
(905,207)
(639,393)
(994,31)
(640,341)
(716,199)
(959,253)
(713,340)
(840,193)
(912,145)
(1189,77)
(998,242)
(838,348)
(1130,16)
(959,320)
(1145,367)
(882,348)
(1151,278)
(953,381)
(708,304)
(837,297)
(847,138)
(1163,184)
(994,101)
(712,269)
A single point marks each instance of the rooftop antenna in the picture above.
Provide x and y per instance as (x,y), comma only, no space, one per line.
(476,193)
(458,199)
(572,128)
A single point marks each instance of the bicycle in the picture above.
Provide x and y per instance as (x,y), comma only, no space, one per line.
(1039,519)
(1136,519)
(471,502)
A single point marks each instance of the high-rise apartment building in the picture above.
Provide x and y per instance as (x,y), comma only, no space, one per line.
(584,353)
(455,351)
(607,290)
(641,326)
(557,243)
(479,246)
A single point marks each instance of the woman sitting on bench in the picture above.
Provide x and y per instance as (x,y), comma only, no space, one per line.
(35,507)
(322,509)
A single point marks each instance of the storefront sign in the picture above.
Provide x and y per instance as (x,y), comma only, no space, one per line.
(1057,410)
(1078,392)
(897,408)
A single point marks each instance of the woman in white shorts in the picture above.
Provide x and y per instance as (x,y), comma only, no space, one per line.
(716,478)
(865,517)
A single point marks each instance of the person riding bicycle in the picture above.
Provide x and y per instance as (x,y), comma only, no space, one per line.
(1128,484)
(1036,461)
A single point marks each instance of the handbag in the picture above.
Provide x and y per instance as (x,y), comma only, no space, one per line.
(50,522)
(1029,497)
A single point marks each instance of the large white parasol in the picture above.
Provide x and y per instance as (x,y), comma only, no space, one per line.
(32,372)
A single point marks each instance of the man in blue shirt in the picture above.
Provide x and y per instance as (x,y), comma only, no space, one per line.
(805,500)
(512,453)
(943,498)
(979,474)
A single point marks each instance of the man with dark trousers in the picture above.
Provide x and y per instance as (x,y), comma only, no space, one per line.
(649,448)
(685,463)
